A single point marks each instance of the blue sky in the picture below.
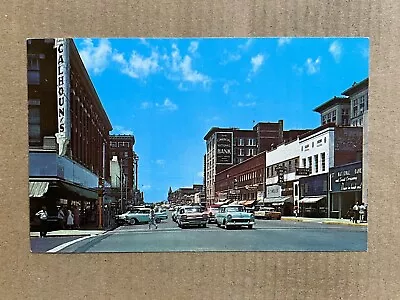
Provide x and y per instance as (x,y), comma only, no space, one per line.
(169,92)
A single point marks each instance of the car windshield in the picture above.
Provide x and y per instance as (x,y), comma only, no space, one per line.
(192,209)
(235,208)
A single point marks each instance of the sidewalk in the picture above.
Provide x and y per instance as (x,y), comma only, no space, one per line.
(332,221)
(74,232)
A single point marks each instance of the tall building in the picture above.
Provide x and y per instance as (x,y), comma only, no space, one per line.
(122,148)
(335,110)
(68,130)
(226,147)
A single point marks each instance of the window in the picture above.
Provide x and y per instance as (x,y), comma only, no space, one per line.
(296,190)
(313,144)
(355,108)
(296,163)
(310,163)
(241,142)
(334,116)
(290,166)
(253,151)
(304,163)
(113,144)
(323,161)
(33,69)
(316,163)
(126,154)
(34,120)
(324,139)
(241,152)
(361,104)
(249,152)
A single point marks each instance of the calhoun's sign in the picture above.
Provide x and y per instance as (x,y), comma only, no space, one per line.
(63,90)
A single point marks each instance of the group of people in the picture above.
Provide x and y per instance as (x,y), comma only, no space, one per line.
(358,213)
(69,218)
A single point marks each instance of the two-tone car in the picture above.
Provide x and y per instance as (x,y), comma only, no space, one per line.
(140,216)
(268,213)
(191,216)
(234,215)
(175,213)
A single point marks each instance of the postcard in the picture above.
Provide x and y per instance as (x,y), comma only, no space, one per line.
(198,144)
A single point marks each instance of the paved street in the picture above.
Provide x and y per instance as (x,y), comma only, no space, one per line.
(268,235)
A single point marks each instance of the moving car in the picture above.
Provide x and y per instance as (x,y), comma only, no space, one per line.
(268,213)
(234,216)
(191,216)
(211,211)
(139,216)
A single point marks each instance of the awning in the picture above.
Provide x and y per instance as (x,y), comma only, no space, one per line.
(309,200)
(222,203)
(277,200)
(38,188)
(249,202)
(66,188)
(242,202)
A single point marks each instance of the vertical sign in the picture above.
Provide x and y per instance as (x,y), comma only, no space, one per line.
(224,148)
(63,91)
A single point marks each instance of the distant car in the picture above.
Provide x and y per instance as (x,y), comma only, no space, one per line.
(234,216)
(140,216)
(162,214)
(211,211)
(268,213)
(191,216)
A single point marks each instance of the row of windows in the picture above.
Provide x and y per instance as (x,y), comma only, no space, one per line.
(251,176)
(329,117)
(358,122)
(359,105)
(289,165)
(319,163)
(249,152)
(318,144)
(120,145)
(237,142)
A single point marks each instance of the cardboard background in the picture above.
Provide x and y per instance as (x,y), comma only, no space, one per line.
(365,275)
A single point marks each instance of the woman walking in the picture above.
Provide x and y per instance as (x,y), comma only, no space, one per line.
(70,219)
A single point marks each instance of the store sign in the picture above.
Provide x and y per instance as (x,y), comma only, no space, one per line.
(224,147)
(63,90)
(302,171)
(274,191)
(347,179)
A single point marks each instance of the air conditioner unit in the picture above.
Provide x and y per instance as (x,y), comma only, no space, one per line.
(49,143)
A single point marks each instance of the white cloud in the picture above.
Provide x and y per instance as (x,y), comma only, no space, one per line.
(144,42)
(336,50)
(235,56)
(96,58)
(146,187)
(298,70)
(284,41)
(200,174)
(160,162)
(122,130)
(227,86)
(246,104)
(138,66)
(246,45)
(313,66)
(145,105)
(167,105)
(256,63)
(193,47)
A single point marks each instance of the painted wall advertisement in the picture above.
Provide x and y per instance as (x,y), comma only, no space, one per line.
(63,91)
(347,178)
(224,148)
(274,191)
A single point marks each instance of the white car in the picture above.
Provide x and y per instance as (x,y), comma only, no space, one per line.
(234,215)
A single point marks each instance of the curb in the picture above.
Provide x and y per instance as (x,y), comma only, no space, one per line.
(346,224)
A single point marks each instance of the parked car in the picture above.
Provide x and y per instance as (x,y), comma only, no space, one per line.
(268,213)
(140,216)
(211,211)
(191,216)
(234,216)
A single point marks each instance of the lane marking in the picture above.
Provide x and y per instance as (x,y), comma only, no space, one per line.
(62,246)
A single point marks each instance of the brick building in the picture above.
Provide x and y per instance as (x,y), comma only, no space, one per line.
(186,195)
(68,130)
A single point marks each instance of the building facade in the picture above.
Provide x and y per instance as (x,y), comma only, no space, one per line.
(336,110)
(187,195)
(68,130)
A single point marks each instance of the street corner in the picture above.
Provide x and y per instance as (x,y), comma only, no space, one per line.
(345,223)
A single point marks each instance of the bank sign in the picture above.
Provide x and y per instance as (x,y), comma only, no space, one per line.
(63,91)
(347,178)
(224,147)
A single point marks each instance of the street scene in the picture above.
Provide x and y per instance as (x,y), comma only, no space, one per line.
(214,144)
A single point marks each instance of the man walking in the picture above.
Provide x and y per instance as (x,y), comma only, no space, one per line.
(152,216)
(356,213)
(42,214)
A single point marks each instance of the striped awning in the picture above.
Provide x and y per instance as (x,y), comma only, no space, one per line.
(38,188)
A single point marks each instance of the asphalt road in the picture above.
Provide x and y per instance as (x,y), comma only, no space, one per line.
(267,235)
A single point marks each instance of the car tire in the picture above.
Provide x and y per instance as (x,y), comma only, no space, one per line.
(218,225)
(133,221)
(250,226)
(158,220)
(204,225)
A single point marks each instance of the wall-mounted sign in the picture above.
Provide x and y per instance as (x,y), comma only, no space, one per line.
(274,191)
(346,178)
(63,90)
(302,171)
(224,148)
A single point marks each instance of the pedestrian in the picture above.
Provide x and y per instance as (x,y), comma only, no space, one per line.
(61,217)
(296,211)
(42,214)
(70,219)
(356,212)
(152,217)
(362,212)
(76,215)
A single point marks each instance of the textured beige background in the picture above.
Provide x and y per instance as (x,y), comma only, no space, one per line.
(370,275)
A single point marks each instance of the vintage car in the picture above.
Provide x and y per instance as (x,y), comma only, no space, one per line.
(121,219)
(175,213)
(211,211)
(234,216)
(139,216)
(268,213)
(161,214)
(191,216)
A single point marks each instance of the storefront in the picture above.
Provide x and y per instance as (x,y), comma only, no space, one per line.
(345,188)
(313,196)
(278,198)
